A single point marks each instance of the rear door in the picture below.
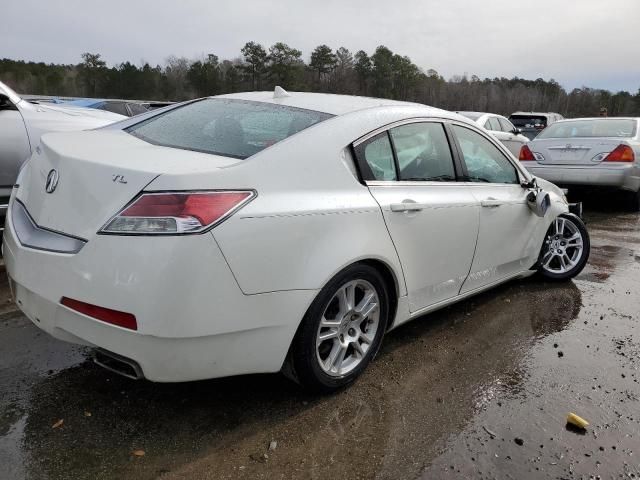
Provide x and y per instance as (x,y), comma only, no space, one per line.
(508,240)
(432,218)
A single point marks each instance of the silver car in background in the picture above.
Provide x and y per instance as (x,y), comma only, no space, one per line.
(23,123)
(501,128)
(600,152)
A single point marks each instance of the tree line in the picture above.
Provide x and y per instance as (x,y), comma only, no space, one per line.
(382,73)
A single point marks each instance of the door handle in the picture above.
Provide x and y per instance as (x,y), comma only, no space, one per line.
(491,203)
(406,206)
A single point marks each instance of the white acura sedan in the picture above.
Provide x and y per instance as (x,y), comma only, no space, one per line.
(265,232)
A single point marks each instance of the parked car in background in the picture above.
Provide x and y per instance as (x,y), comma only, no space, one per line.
(501,128)
(600,151)
(260,232)
(532,123)
(21,125)
(128,108)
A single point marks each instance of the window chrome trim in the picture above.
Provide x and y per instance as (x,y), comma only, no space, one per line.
(30,235)
(398,123)
(523,174)
(411,183)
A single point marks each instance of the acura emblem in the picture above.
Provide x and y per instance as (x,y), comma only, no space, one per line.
(52,181)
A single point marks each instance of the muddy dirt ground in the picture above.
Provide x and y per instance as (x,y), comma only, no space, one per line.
(479,390)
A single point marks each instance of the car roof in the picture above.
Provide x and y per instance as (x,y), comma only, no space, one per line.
(326,102)
(469,112)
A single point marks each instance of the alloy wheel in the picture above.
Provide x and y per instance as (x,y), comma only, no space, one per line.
(348,327)
(564,246)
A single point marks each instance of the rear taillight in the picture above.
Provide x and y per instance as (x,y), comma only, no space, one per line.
(114,317)
(526,154)
(177,212)
(622,153)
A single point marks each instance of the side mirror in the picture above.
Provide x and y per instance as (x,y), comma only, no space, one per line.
(539,202)
(6,103)
(517,131)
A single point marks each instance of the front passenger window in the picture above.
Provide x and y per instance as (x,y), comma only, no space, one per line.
(485,163)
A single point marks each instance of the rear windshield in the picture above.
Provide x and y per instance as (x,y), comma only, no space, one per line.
(231,128)
(610,127)
(528,121)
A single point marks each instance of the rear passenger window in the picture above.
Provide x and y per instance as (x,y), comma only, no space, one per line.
(485,163)
(423,152)
(376,158)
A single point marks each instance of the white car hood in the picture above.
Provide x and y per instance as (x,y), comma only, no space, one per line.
(40,119)
(75,111)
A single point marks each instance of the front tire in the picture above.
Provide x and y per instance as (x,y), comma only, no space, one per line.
(565,249)
(342,330)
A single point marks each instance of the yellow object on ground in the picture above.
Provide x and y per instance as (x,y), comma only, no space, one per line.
(579,422)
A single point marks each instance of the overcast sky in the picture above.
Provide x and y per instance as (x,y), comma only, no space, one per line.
(577,42)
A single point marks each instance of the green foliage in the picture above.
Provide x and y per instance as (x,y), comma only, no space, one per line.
(255,63)
(285,65)
(92,72)
(323,60)
(204,76)
(383,74)
(363,68)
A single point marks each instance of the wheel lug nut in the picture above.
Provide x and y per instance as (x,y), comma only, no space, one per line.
(352,332)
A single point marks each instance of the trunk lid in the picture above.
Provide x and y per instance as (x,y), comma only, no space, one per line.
(99,172)
(573,151)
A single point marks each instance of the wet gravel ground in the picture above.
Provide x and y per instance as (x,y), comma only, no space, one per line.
(478,390)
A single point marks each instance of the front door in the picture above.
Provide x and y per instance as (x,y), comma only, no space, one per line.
(508,240)
(432,218)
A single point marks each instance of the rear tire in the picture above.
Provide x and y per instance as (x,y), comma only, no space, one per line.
(342,330)
(633,201)
(565,249)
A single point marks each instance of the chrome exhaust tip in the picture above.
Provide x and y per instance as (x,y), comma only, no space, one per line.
(118,364)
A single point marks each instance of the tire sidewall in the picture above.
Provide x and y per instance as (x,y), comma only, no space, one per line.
(586,245)
(634,201)
(304,357)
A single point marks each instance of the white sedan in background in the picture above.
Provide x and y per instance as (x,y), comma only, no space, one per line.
(21,125)
(597,152)
(501,128)
(265,232)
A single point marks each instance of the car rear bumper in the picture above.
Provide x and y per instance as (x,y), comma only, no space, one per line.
(626,177)
(193,320)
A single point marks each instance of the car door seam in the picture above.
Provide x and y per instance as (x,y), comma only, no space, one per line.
(395,248)
(475,249)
